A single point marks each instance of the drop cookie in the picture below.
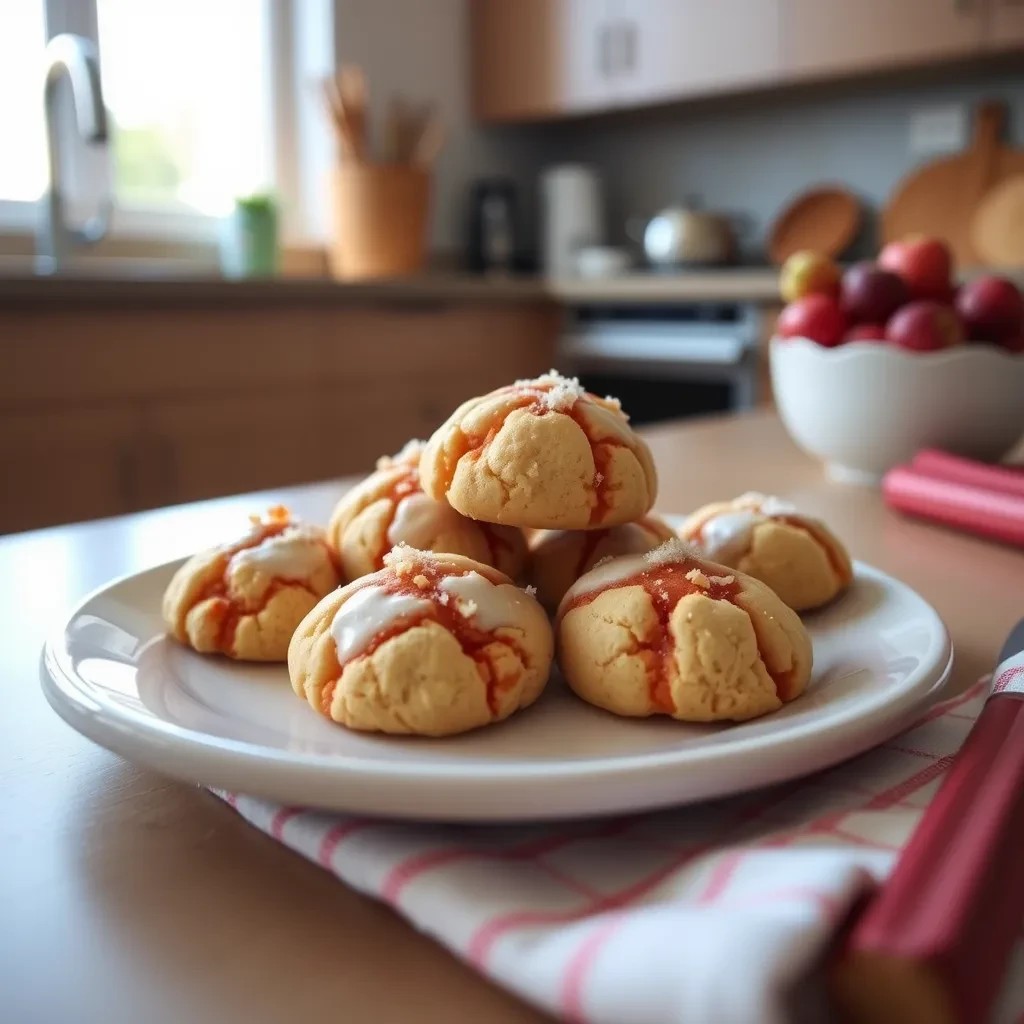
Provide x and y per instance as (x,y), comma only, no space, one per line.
(244,599)
(560,557)
(432,644)
(764,537)
(665,634)
(390,508)
(541,453)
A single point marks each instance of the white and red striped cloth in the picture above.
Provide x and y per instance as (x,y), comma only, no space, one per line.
(705,915)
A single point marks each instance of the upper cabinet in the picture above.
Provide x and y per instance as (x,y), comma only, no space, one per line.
(547,58)
(686,47)
(536,59)
(819,37)
(1005,28)
(540,58)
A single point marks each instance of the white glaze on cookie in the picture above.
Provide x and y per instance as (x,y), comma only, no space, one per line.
(607,573)
(419,520)
(371,611)
(297,553)
(487,605)
(726,536)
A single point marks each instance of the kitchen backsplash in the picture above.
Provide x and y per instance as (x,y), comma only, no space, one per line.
(754,153)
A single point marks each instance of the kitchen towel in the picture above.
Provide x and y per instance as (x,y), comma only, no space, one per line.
(710,914)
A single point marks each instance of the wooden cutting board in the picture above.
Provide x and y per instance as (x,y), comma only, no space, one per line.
(997,230)
(940,198)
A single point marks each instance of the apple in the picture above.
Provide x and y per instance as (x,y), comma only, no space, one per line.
(925,264)
(870,294)
(817,317)
(865,332)
(925,326)
(991,308)
(808,273)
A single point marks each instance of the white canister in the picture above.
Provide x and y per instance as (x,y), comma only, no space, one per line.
(572,216)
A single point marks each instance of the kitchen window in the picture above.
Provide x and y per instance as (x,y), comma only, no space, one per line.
(191,93)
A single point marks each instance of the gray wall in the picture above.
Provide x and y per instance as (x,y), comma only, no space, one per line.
(753,153)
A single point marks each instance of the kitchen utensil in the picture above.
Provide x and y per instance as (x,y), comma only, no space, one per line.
(881,654)
(934,942)
(864,408)
(429,142)
(572,216)
(684,235)
(932,462)
(354,97)
(997,227)
(380,214)
(598,261)
(492,225)
(940,198)
(963,506)
(824,219)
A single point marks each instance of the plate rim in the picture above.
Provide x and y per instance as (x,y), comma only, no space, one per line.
(116,727)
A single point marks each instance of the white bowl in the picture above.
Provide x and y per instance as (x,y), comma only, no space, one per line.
(866,407)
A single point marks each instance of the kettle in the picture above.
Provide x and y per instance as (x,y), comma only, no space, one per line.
(685,235)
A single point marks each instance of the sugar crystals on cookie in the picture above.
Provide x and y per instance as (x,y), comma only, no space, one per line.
(541,453)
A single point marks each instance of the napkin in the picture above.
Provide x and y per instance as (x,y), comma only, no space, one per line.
(709,914)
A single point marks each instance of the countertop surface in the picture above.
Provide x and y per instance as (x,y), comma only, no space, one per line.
(721,285)
(128,897)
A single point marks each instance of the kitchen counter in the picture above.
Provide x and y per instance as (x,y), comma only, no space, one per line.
(156,902)
(724,285)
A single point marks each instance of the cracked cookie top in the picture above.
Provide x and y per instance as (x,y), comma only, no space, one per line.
(797,555)
(432,643)
(389,508)
(671,633)
(542,453)
(245,598)
(560,557)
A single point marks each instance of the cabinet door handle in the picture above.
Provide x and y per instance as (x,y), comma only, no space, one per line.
(604,51)
(629,45)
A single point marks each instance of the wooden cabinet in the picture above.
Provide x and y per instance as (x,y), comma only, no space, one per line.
(60,464)
(543,58)
(548,58)
(821,37)
(1005,25)
(107,408)
(540,58)
(692,47)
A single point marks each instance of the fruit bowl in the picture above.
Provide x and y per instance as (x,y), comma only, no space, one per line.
(865,407)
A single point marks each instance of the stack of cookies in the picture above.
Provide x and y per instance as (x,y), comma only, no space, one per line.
(523,524)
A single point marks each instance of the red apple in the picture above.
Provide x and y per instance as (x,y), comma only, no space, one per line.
(991,308)
(807,273)
(870,294)
(925,264)
(817,317)
(924,326)
(865,332)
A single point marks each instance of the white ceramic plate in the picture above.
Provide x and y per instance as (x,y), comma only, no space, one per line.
(881,654)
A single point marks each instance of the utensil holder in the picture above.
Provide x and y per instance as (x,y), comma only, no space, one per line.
(379,220)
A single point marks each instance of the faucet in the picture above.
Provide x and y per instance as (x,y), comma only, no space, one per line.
(76,57)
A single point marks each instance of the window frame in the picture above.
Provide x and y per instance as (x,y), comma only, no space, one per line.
(287,25)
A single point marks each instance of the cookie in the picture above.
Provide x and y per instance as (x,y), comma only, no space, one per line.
(244,599)
(541,453)
(560,557)
(389,508)
(796,555)
(432,644)
(666,634)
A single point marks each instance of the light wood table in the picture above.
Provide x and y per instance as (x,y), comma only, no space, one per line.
(125,897)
